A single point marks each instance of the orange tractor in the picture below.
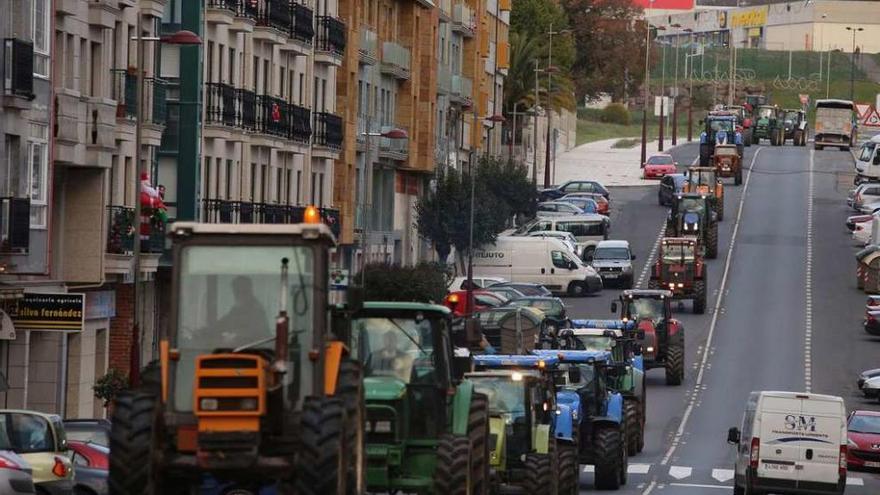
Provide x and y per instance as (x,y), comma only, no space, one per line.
(728,163)
(705,181)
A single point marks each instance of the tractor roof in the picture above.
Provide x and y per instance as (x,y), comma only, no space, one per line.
(506,373)
(636,293)
(515,361)
(303,230)
(576,356)
(603,324)
(721,115)
(599,332)
(405,306)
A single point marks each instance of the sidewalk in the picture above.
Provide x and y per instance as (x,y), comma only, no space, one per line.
(600,161)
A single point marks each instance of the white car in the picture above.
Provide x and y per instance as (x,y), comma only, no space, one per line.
(862,232)
(458,283)
(866,193)
(869,208)
(566,237)
(869,383)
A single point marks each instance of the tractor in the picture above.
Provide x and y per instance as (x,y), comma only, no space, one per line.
(794,121)
(692,215)
(728,163)
(599,427)
(703,180)
(768,125)
(527,453)
(427,429)
(743,121)
(680,268)
(660,335)
(619,338)
(251,389)
(720,127)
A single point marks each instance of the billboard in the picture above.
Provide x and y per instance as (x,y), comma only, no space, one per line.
(665,4)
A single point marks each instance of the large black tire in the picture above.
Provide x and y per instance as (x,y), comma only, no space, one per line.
(712,242)
(747,137)
(569,470)
(818,147)
(675,361)
(633,425)
(539,474)
(704,154)
(738,178)
(738,489)
(454,465)
(720,210)
(660,199)
(576,289)
(796,140)
(350,389)
(610,453)
(699,301)
(478,432)
(755,139)
(131,438)
(653,283)
(627,282)
(321,463)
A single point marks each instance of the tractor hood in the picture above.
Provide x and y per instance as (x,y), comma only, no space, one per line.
(649,343)
(383,388)
(570,399)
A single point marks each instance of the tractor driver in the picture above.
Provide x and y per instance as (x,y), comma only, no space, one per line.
(245,314)
(390,359)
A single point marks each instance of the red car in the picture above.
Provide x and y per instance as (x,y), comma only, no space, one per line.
(863,431)
(658,165)
(483,299)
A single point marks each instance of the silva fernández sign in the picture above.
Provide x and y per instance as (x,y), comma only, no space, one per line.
(61,312)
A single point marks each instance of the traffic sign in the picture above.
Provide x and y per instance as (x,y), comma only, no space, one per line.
(339,279)
(805,100)
(862,109)
(872,119)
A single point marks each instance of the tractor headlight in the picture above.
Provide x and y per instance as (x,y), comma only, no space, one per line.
(681,285)
(671,286)
(380,427)
(650,349)
(209,404)
(249,404)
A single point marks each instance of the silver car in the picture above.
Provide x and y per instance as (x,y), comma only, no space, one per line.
(15,474)
(613,260)
(557,209)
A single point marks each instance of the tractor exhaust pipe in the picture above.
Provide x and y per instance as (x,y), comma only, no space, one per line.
(282,324)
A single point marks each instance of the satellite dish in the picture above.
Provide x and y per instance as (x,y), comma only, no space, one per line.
(7,329)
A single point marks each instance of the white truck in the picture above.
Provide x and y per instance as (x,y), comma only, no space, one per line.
(790,443)
(835,124)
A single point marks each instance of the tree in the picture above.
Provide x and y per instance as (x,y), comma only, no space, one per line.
(425,282)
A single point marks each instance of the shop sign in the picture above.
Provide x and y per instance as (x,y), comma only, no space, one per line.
(100,304)
(60,312)
(749,18)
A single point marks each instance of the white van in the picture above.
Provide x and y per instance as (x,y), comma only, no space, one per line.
(588,229)
(868,161)
(791,442)
(539,260)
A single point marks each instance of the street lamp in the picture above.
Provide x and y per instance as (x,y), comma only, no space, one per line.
(550,70)
(183,38)
(852,73)
(647,87)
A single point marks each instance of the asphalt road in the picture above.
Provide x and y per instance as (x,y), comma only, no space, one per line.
(789,317)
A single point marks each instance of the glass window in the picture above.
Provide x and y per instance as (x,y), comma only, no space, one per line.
(230,295)
(560,260)
(572,187)
(595,342)
(867,152)
(87,433)
(646,307)
(38,165)
(677,253)
(400,348)
(79,460)
(660,160)
(41,13)
(611,253)
(25,433)
(865,424)
(582,228)
(721,125)
(506,397)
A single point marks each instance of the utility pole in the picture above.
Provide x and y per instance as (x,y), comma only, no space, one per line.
(535,130)
(646,91)
(852,73)
(550,71)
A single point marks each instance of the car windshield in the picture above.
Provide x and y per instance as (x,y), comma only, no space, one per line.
(721,124)
(506,396)
(401,348)
(585,204)
(611,253)
(86,433)
(646,307)
(25,433)
(660,160)
(676,253)
(861,423)
(867,151)
(229,297)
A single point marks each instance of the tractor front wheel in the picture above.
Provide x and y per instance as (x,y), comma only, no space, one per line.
(351,391)
(675,362)
(321,464)
(700,296)
(569,472)
(738,178)
(454,463)
(478,432)
(633,425)
(610,454)
(539,477)
(712,242)
(720,202)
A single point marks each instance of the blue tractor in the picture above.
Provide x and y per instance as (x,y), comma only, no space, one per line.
(531,448)
(720,128)
(599,427)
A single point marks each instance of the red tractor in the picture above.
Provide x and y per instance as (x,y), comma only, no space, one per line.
(680,268)
(661,336)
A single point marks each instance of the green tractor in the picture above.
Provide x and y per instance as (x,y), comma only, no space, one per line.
(427,428)
(528,452)
(693,215)
(768,125)
(795,123)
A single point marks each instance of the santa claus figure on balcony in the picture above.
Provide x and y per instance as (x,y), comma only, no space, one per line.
(154,213)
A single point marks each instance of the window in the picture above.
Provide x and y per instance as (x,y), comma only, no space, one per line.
(79,460)
(321,189)
(207,186)
(41,13)
(38,165)
(231,66)
(253,180)
(298,183)
(560,260)
(229,169)
(278,184)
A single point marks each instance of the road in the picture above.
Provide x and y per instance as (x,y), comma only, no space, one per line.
(787,317)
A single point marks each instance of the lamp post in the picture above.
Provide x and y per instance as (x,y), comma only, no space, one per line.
(183,38)
(550,70)
(852,72)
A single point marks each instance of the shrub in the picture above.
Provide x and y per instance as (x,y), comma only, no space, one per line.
(108,386)
(425,282)
(615,113)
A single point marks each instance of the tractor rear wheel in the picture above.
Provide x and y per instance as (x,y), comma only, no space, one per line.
(675,362)
(738,178)
(569,472)
(653,284)
(747,137)
(539,476)
(478,431)
(351,390)
(454,465)
(700,294)
(321,464)
(712,242)
(610,453)
(633,425)
(755,138)
(704,154)
(720,202)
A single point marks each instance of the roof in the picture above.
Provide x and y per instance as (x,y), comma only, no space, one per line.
(516,361)
(598,332)
(305,230)
(645,293)
(507,373)
(866,412)
(613,243)
(576,356)
(590,217)
(603,324)
(405,306)
(47,417)
(834,103)
(798,395)
(721,116)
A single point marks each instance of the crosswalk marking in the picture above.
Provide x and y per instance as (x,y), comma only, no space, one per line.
(638,468)
(855,481)
(722,475)
(680,472)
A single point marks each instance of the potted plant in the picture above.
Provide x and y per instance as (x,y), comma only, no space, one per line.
(108,387)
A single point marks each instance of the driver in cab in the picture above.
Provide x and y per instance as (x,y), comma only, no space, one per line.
(245,314)
(390,360)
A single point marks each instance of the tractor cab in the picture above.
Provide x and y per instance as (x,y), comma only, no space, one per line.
(728,162)
(660,335)
(719,128)
(693,215)
(679,265)
(704,180)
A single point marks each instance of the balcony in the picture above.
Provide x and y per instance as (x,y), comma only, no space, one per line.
(303,19)
(227,211)
(18,75)
(445,7)
(462,89)
(15,225)
(228,106)
(331,41)
(368,52)
(276,117)
(221,12)
(444,79)
(394,149)
(463,20)
(274,21)
(329,131)
(124,91)
(121,232)
(395,60)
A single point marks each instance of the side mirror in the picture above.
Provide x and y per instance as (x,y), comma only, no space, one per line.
(733,436)
(460,366)
(572,265)
(876,159)
(614,306)
(632,257)
(574,374)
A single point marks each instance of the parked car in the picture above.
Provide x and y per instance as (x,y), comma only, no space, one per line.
(863,440)
(589,205)
(557,209)
(866,194)
(15,474)
(869,208)
(587,229)
(566,237)
(457,301)
(872,322)
(573,186)
(613,260)
(658,166)
(96,431)
(553,308)
(39,439)
(852,220)
(91,467)
(459,283)
(862,232)
(603,203)
(526,288)
(670,185)
(871,388)
(863,379)
(508,293)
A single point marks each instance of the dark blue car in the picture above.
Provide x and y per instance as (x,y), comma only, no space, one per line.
(670,185)
(573,186)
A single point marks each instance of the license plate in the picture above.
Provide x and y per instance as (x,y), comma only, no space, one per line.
(609,275)
(872,464)
(725,169)
(778,467)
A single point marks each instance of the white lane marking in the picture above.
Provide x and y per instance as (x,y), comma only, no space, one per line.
(808,287)
(680,472)
(855,481)
(650,488)
(699,383)
(723,475)
(638,468)
(696,485)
